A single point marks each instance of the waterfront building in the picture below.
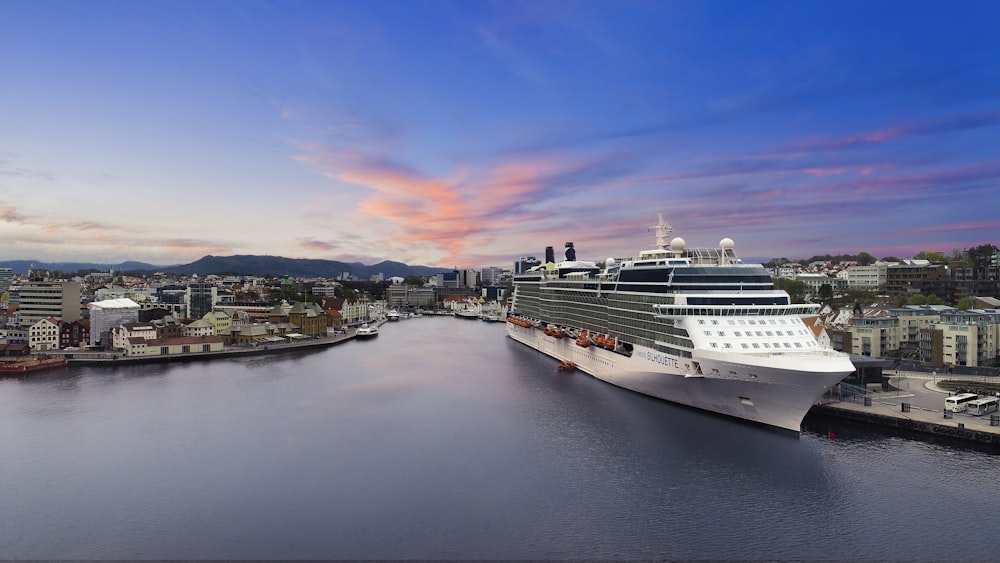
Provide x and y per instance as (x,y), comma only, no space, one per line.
(220,320)
(44,335)
(167,326)
(107,314)
(138,346)
(308,318)
(962,338)
(120,335)
(42,299)
(73,334)
(396,295)
(199,327)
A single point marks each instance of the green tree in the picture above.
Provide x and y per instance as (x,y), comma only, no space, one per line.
(796,289)
(414,280)
(825,293)
(934,300)
(966,303)
(865,259)
(930,256)
(918,299)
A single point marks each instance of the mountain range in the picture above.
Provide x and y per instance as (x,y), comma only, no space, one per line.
(251,265)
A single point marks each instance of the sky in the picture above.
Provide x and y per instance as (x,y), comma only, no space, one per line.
(469,133)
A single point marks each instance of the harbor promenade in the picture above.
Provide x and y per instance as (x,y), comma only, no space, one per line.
(915,403)
(113,358)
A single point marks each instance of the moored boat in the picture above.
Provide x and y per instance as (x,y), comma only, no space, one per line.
(366,331)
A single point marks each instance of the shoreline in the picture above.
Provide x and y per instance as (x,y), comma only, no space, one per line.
(76,358)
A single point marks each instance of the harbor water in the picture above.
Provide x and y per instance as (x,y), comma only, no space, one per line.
(443,439)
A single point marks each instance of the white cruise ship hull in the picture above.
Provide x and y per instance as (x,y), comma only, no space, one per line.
(772,389)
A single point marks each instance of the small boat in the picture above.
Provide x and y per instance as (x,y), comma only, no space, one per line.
(566,366)
(393,315)
(366,331)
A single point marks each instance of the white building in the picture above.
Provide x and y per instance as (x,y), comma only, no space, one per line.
(44,335)
(121,334)
(107,314)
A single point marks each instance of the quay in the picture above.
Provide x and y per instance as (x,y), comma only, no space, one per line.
(76,358)
(914,403)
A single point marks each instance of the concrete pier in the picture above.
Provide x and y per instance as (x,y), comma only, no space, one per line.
(914,404)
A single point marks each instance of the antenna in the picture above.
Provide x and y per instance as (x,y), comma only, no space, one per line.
(663,230)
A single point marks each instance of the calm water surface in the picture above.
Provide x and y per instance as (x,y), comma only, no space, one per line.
(442,438)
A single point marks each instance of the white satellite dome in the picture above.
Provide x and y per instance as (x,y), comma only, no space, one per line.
(677,244)
(609,262)
(727,243)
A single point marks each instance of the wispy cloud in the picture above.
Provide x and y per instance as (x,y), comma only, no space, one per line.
(10,214)
(919,128)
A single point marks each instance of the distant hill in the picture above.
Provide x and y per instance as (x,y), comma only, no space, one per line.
(295,267)
(250,265)
(22,266)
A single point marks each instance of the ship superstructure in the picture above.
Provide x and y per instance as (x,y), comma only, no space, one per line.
(694,326)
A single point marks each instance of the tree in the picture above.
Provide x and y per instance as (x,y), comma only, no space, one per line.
(934,300)
(414,280)
(918,299)
(930,256)
(796,289)
(825,293)
(966,303)
(865,259)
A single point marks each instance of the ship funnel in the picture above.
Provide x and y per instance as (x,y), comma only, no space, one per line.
(570,252)
(550,255)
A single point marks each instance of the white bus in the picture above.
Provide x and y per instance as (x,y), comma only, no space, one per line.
(960,402)
(985,405)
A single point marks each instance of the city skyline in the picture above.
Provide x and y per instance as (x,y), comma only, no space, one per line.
(474,133)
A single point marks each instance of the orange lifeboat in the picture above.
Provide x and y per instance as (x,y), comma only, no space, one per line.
(583,342)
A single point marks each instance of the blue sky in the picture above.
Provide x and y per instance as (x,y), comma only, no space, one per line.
(469,133)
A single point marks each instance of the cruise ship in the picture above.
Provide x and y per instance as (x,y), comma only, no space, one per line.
(694,326)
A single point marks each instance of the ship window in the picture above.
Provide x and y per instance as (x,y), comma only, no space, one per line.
(755,345)
(727,345)
(714,345)
(759,333)
(738,333)
(769,333)
(715,322)
(787,345)
(766,345)
(783,321)
(701,321)
(772,321)
(708,333)
(743,322)
(798,344)
(752,322)
(721,333)
(745,345)
(732,322)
